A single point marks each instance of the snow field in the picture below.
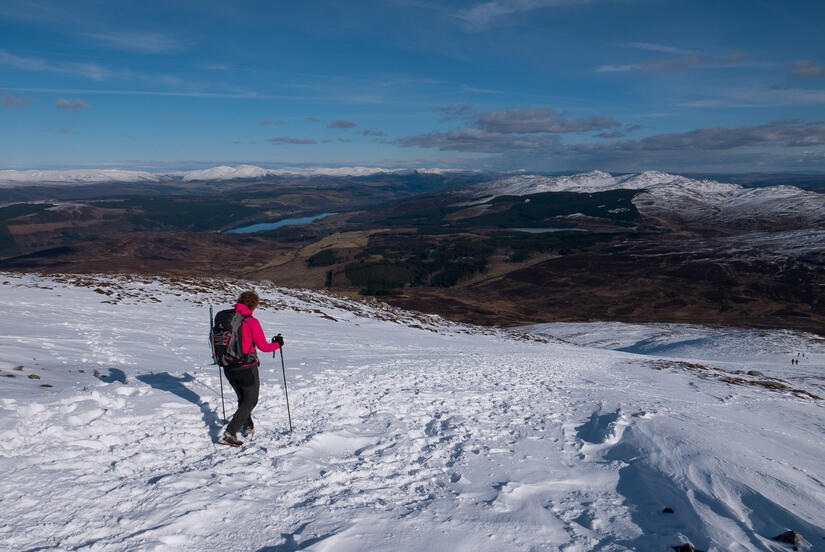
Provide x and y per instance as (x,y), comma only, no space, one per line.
(410,433)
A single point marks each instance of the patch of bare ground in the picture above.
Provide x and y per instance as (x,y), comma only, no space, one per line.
(755,380)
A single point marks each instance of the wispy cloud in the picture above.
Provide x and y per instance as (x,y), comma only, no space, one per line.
(455,111)
(372,132)
(687,59)
(274,122)
(89,70)
(808,68)
(180,94)
(484,16)
(675,64)
(71,105)
(481,141)
(70,19)
(611,134)
(93,71)
(662,48)
(149,42)
(11,101)
(745,97)
(342,124)
(312,119)
(285,140)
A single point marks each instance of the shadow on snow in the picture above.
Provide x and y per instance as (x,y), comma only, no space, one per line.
(175,385)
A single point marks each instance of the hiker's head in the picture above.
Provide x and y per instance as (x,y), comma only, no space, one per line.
(250,299)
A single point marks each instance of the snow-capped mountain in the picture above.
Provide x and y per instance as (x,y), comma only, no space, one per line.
(596,181)
(411,433)
(705,201)
(224,172)
(11,178)
(15,178)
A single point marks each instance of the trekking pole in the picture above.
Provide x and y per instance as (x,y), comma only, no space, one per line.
(215,359)
(286,393)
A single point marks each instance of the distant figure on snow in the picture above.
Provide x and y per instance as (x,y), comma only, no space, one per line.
(244,379)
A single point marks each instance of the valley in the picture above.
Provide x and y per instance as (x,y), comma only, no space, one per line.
(512,250)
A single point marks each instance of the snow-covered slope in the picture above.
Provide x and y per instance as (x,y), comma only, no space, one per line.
(411,433)
(14,178)
(705,201)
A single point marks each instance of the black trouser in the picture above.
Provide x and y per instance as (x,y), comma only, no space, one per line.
(246,383)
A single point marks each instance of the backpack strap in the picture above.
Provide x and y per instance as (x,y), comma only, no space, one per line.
(240,331)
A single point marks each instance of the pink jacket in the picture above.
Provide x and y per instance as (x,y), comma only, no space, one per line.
(252,334)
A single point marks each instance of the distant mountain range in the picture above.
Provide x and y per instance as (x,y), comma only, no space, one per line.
(14,178)
(692,200)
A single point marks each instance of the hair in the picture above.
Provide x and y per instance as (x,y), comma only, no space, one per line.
(250,299)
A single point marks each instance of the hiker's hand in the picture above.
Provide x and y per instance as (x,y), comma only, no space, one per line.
(279,339)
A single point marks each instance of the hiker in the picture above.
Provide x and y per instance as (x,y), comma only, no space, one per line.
(244,379)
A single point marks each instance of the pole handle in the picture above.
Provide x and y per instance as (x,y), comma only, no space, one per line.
(273,352)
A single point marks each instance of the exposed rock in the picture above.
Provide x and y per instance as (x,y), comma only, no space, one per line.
(34,376)
(667,510)
(686,547)
(791,537)
(755,373)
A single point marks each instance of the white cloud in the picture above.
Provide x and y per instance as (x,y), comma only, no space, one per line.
(808,68)
(540,119)
(11,101)
(71,105)
(342,124)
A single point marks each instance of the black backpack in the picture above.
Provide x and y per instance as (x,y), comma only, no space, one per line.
(227,344)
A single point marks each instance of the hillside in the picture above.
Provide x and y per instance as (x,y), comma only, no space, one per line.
(411,432)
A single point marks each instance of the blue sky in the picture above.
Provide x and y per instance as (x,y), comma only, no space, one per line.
(544,85)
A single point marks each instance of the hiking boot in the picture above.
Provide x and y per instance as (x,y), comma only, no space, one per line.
(230,439)
(248,430)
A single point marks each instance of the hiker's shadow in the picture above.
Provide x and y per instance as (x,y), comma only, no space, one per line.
(175,385)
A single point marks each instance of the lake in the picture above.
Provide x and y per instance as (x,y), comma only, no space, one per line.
(545,230)
(272,225)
